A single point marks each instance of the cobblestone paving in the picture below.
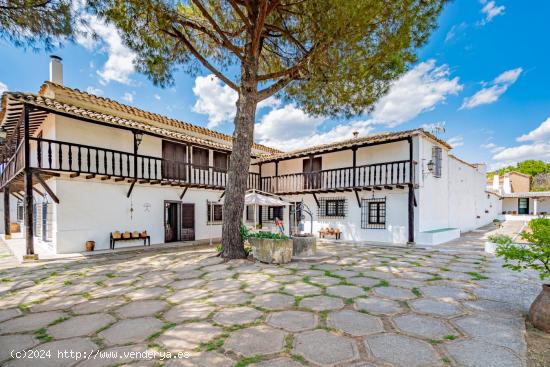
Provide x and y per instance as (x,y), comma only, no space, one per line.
(366,306)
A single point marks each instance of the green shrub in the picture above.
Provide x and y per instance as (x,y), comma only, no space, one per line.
(534,256)
(268,235)
(500,239)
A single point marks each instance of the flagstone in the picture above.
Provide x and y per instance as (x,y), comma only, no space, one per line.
(236,316)
(377,306)
(293,321)
(229,298)
(444,293)
(204,359)
(325,349)
(273,301)
(57,303)
(223,284)
(259,287)
(97,305)
(9,313)
(433,307)
(346,291)
(146,293)
(187,295)
(423,326)
(355,323)
(130,330)
(30,322)
(80,325)
(477,353)
(116,355)
(141,308)
(257,340)
(188,311)
(402,351)
(278,362)
(322,303)
(363,281)
(16,343)
(323,280)
(223,274)
(188,283)
(302,289)
(186,337)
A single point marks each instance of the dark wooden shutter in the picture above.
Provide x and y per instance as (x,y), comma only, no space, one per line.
(187,222)
(200,158)
(312,180)
(220,161)
(174,159)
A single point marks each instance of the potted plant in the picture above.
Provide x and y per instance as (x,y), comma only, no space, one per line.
(271,248)
(90,245)
(536,256)
(496,239)
(497,223)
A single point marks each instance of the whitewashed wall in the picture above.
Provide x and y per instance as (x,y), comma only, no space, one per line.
(511,204)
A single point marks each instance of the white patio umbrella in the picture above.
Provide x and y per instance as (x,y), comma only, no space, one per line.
(255,197)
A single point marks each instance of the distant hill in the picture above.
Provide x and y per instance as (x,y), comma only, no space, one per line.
(529,167)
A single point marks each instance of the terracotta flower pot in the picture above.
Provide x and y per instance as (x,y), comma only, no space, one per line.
(539,313)
(90,245)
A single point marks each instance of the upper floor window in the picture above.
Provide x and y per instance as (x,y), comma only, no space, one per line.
(175,157)
(437,159)
(220,161)
(200,158)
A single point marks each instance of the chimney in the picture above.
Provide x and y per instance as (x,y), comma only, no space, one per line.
(496,183)
(56,70)
(506,185)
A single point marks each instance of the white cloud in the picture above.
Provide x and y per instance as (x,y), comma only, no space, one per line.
(93,90)
(3,88)
(218,100)
(492,147)
(540,150)
(157,97)
(456,141)
(418,90)
(496,88)
(540,133)
(455,31)
(129,97)
(491,10)
(119,65)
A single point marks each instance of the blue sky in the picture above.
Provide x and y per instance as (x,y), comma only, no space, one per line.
(483,75)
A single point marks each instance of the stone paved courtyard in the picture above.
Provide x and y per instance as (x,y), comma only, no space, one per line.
(366,306)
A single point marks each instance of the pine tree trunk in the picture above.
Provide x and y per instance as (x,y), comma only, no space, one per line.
(239,164)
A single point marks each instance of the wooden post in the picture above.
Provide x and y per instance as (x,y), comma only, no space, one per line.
(260,177)
(411,194)
(276,176)
(354,150)
(29,235)
(135,157)
(7,213)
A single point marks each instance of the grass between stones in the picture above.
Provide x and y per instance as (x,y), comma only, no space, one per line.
(299,358)
(59,320)
(42,335)
(416,292)
(383,283)
(434,278)
(249,360)
(476,276)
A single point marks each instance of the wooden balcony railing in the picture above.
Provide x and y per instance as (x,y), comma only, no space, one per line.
(55,155)
(366,176)
(13,166)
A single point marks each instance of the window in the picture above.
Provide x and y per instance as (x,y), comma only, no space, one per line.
(174,160)
(332,208)
(19,211)
(436,157)
(200,158)
(214,213)
(220,161)
(274,212)
(373,213)
(250,213)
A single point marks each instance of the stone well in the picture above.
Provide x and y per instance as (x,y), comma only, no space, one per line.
(271,251)
(304,245)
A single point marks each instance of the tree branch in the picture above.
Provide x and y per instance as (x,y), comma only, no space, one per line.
(241,15)
(225,41)
(274,88)
(203,60)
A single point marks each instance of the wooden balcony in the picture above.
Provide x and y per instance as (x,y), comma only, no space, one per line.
(388,175)
(90,162)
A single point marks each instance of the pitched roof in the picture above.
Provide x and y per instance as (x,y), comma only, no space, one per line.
(77,103)
(350,143)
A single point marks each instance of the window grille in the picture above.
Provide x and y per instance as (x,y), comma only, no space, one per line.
(216,215)
(373,213)
(437,158)
(332,208)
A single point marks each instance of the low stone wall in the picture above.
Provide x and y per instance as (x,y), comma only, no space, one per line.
(271,251)
(304,245)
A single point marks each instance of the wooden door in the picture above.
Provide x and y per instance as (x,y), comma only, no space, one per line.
(312,173)
(170,221)
(187,222)
(174,161)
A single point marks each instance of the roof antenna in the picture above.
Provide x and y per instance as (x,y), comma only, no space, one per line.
(355,134)
(437,129)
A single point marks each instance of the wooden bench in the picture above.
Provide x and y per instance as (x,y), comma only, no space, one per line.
(330,232)
(129,236)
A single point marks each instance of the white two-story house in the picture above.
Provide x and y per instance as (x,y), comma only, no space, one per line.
(82,166)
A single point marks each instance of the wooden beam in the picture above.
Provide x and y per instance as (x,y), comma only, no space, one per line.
(76,174)
(388,187)
(357,196)
(28,212)
(7,229)
(46,187)
(118,179)
(183,193)
(104,178)
(90,176)
(38,191)
(17,196)
(378,188)
(400,187)
(316,200)
(131,188)
(411,196)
